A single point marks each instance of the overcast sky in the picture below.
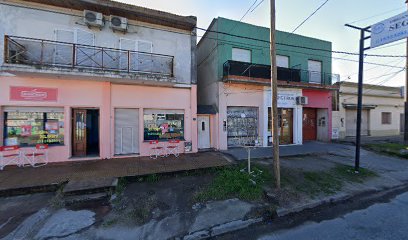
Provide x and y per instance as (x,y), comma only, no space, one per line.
(327,24)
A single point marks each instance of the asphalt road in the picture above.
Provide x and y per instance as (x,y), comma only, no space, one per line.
(379,221)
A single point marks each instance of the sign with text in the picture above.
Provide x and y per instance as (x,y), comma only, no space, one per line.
(286,100)
(390,30)
(33,94)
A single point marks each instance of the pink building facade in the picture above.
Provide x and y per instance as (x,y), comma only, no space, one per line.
(103,93)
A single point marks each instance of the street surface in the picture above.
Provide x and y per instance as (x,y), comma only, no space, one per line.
(379,221)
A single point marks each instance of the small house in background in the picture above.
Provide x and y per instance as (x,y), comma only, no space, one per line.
(382,112)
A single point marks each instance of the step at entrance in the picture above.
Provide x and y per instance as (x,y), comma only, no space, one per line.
(84,190)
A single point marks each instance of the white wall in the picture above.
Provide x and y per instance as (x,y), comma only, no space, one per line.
(297,113)
(24,22)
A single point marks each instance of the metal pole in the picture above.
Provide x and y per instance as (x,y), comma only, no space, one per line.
(406,97)
(359,100)
(274,88)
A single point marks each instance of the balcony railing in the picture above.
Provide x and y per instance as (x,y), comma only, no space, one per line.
(40,52)
(243,69)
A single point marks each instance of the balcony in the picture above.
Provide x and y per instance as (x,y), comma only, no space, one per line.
(261,74)
(40,53)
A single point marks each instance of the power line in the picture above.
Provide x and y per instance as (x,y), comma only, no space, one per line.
(257,6)
(297,46)
(376,15)
(311,15)
(243,16)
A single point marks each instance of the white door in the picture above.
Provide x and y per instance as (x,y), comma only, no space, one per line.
(203,132)
(126,131)
(315,71)
(351,122)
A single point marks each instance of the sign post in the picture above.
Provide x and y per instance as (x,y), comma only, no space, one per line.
(384,32)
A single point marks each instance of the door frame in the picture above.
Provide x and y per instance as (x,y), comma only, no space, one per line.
(72,129)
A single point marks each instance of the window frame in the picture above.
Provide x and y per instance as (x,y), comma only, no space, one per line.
(44,120)
(388,119)
(242,49)
(165,112)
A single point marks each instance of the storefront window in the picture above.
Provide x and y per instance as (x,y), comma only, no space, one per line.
(163,125)
(31,128)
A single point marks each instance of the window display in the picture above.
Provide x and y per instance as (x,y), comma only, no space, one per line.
(31,128)
(163,125)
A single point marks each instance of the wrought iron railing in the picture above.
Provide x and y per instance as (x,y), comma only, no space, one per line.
(41,52)
(236,68)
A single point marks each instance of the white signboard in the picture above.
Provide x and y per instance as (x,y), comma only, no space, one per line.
(390,30)
(286,100)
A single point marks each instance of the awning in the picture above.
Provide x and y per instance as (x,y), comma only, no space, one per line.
(354,106)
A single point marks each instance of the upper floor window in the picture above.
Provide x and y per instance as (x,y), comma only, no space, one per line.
(315,71)
(241,55)
(282,61)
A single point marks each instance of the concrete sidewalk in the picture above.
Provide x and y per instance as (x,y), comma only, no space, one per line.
(13,178)
(287,151)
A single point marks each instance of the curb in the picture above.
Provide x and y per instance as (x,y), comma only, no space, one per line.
(221,229)
(339,198)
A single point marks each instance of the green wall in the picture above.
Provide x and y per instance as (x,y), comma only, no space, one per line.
(298,57)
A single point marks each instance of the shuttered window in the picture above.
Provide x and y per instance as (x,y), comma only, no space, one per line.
(282,61)
(241,55)
(386,118)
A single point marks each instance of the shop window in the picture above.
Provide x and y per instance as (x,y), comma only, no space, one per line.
(386,118)
(28,128)
(163,124)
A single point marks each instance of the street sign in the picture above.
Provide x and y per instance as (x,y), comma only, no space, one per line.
(390,30)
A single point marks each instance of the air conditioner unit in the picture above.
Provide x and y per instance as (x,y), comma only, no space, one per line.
(94,19)
(301,100)
(118,23)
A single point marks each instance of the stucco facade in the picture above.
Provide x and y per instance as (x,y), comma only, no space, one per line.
(165,105)
(376,101)
(250,91)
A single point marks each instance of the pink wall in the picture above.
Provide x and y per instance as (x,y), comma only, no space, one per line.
(105,96)
(320,99)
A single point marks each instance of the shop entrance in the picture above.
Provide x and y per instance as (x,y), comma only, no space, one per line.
(85,132)
(285,117)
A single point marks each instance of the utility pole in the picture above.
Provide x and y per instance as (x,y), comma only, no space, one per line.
(274,90)
(406,97)
(363,38)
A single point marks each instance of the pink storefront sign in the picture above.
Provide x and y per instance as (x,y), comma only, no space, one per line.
(33,94)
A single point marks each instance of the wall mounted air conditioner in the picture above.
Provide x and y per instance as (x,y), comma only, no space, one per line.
(118,23)
(301,100)
(94,19)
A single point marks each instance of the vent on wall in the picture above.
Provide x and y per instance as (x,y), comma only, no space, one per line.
(118,23)
(94,19)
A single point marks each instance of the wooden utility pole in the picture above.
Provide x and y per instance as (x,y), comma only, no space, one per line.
(406,97)
(274,89)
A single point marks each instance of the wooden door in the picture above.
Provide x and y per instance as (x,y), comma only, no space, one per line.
(79,133)
(309,124)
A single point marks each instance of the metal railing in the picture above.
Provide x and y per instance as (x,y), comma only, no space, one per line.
(41,52)
(236,68)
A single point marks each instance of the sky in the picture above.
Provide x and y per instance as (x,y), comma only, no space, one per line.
(327,24)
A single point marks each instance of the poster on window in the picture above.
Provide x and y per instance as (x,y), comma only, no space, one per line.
(25,130)
(51,126)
